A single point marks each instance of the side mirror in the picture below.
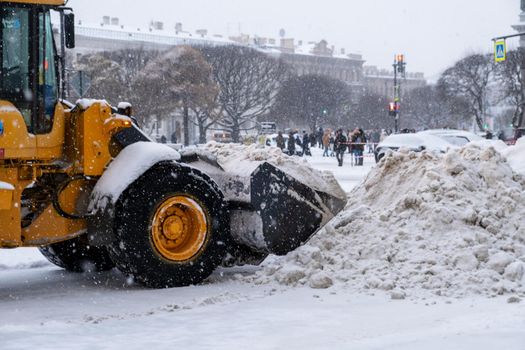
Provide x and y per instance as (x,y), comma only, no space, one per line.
(125,108)
(69,29)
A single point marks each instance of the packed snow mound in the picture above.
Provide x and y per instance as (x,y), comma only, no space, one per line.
(452,225)
(516,155)
(498,145)
(243,160)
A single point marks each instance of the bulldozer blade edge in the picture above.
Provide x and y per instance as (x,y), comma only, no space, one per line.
(291,212)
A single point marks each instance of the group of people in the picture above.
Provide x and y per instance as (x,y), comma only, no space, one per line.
(353,141)
(294,140)
(334,144)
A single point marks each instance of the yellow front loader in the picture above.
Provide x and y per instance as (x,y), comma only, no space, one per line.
(83,184)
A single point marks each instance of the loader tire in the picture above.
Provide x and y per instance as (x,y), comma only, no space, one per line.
(171,227)
(76,255)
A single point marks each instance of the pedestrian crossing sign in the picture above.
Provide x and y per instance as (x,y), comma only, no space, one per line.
(500,50)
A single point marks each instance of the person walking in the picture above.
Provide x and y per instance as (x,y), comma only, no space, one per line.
(320,134)
(326,143)
(376,137)
(313,140)
(280,140)
(350,145)
(358,143)
(340,146)
(306,144)
(369,141)
(291,144)
(332,145)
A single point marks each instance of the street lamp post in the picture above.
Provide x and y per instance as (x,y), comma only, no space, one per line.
(399,69)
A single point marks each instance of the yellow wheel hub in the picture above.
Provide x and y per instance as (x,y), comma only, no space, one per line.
(179,228)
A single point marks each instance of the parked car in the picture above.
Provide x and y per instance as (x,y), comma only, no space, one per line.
(414,142)
(222,137)
(456,137)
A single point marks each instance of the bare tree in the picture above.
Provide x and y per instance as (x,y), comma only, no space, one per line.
(176,79)
(132,61)
(206,111)
(510,76)
(106,77)
(469,79)
(312,100)
(371,112)
(248,83)
(427,107)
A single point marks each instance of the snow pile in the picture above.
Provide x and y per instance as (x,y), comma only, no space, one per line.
(516,155)
(498,145)
(243,160)
(452,225)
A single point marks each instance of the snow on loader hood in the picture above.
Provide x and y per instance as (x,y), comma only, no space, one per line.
(128,166)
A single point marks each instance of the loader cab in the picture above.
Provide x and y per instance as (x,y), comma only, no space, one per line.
(29,64)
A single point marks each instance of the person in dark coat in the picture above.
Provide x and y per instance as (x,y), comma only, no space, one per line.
(340,146)
(281,143)
(313,141)
(306,144)
(291,144)
(320,134)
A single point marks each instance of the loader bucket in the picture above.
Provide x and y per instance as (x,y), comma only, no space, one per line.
(291,211)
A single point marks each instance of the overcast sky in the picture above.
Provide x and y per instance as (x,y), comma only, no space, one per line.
(432,33)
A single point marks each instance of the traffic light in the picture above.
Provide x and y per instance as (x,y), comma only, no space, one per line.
(400,63)
(325,111)
(393,108)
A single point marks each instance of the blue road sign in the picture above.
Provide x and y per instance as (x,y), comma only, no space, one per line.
(500,51)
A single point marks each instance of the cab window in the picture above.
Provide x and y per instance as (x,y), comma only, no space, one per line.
(14,59)
(28,72)
(47,75)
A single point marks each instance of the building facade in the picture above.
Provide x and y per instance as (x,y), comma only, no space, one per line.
(303,57)
(317,58)
(381,81)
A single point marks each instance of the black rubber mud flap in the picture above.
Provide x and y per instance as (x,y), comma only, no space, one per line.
(291,212)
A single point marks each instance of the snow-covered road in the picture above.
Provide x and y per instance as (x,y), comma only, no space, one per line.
(46,308)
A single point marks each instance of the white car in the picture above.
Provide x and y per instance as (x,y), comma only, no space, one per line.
(414,142)
(456,137)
